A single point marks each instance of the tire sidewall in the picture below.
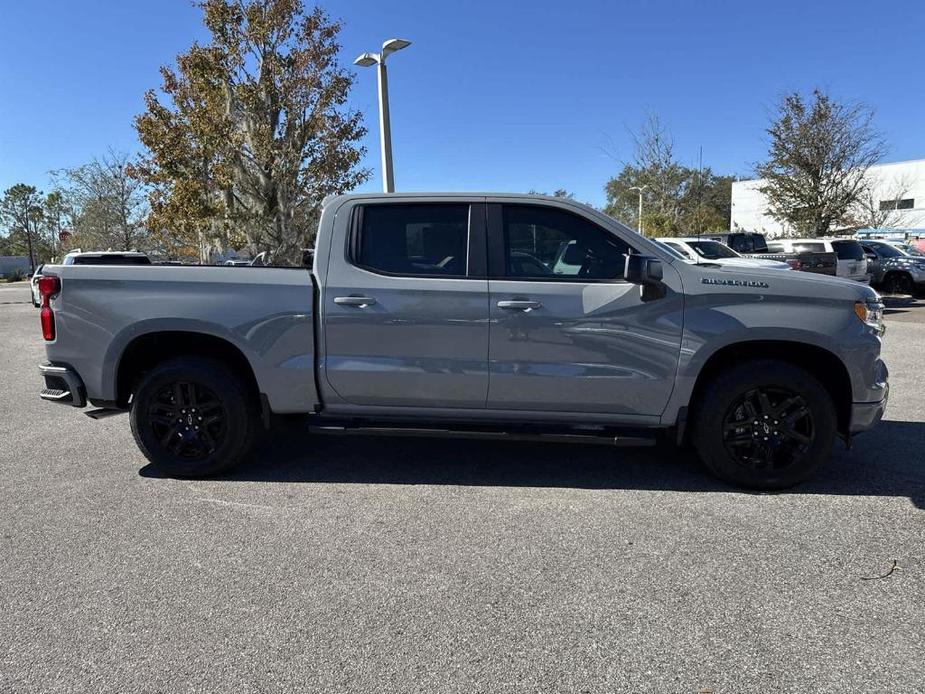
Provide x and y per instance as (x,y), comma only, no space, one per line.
(900,283)
(719,397)
(226,387)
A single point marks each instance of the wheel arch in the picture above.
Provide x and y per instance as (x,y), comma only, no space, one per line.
(823,364)
(146,351)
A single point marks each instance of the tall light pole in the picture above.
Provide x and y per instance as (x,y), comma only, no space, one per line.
(385,129)
(639,219)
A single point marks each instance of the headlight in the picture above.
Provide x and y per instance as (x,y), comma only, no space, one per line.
(871,313)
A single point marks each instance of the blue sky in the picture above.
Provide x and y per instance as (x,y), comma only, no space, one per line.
(497,95)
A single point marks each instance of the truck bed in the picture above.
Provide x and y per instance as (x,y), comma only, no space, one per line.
(264,313)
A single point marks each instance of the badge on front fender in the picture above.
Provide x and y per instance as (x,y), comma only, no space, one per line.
(735,283)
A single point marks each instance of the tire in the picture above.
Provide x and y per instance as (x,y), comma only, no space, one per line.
(210,431)
(898,283)
(764,424)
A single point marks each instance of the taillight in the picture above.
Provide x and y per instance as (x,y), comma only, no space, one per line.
(49,286)
(795,264)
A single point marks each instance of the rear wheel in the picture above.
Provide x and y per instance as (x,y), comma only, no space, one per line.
(193,417)
(898,283)
(764,424)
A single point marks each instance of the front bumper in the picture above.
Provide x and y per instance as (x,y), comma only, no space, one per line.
(62,385)
(866,415)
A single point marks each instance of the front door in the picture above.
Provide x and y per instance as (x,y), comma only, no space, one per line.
(405,307)
(568,333)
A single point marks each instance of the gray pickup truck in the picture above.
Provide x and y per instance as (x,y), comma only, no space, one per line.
(473,315)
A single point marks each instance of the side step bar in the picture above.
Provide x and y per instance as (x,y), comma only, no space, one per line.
(606,439)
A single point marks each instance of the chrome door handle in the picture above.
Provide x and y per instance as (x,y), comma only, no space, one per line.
(358,301)
(520,305)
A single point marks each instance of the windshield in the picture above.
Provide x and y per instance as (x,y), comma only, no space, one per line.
(909,250)
(111,260)
(711,250)
(670,250)
(885,250)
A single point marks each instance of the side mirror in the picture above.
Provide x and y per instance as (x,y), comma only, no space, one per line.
(871,256)
(643,269)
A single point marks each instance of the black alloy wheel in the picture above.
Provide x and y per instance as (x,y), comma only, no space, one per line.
(188,419)
(194,416)
(899,283)
(764,423)
(768,428)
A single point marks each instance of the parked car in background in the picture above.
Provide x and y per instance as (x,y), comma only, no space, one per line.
(894,268)
(106,258)
(34,285)
(701,250)
(474,315)
(751,244)
(851,262)
(909,247)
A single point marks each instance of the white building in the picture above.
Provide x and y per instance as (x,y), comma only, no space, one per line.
(902,181)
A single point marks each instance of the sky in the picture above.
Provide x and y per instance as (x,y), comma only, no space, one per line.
(491,95)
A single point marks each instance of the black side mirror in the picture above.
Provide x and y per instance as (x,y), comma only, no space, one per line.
(643,269)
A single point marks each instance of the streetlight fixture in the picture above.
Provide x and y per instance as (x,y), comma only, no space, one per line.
(385,131)
(639,219)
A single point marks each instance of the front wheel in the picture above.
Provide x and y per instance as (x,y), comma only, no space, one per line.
(764,424)
(193,417)
(898,283)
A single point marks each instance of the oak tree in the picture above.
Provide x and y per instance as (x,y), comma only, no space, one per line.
(816,170)
(250,131)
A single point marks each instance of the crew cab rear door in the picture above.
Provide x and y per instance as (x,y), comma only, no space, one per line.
(568,333)
(405,304)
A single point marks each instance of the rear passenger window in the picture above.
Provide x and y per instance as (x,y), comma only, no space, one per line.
(741,243)
(422,240)
(804,247)
(547,244)
(848,250)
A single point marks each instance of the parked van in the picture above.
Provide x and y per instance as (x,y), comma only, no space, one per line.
(851,263)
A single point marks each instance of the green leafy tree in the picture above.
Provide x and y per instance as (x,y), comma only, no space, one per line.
(57,217)
(106,206)
(677,199)
(252,132)
(816,170)
(21,215)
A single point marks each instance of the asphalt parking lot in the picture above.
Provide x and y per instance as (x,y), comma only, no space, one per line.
(331,564)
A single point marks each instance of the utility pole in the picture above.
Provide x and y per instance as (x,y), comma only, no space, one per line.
(639,219)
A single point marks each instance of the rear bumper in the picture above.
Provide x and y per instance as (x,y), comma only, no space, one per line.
(62,385)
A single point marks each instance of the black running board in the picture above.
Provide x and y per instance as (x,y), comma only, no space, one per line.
(606,439)
(103,412)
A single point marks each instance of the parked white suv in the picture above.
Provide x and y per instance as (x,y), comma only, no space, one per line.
(701,250)
(851,264)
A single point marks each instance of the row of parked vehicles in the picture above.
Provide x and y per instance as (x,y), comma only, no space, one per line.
(894,267)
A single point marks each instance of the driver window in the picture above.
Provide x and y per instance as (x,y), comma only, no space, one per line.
(550,244)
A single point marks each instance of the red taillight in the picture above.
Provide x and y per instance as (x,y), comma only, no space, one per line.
(49,285)
(795,264)
(48,323)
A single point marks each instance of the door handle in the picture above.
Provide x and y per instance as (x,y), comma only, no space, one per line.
(520,305)
(358,301)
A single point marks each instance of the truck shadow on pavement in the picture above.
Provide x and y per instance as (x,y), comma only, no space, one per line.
(885,462)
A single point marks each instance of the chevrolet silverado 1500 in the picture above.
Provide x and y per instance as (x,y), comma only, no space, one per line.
(473,315)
